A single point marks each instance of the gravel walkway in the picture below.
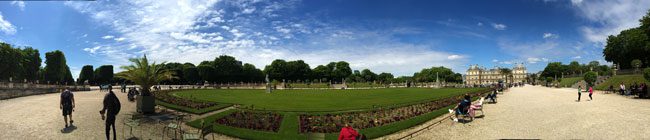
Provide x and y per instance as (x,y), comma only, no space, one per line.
(535,112)
(39,117)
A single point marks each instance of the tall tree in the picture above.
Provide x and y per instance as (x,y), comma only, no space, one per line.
(321,72)
(252,74)
(86,74)
(574,67)
(191,75)
(385,77)
(368,75)
(342,70)
(55,67)
(31,63)
(10,60)
(104,74)
(228,69)
(207,73)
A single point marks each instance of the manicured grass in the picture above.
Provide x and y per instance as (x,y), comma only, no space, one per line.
(568,82)
(323,100)
(192,110)
(615,81)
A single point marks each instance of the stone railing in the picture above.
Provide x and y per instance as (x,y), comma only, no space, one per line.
(12,90)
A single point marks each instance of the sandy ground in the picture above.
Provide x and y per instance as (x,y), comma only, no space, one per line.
(534,112)
(39,117)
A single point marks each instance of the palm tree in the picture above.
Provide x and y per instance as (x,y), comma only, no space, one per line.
(506,72)
(146,75)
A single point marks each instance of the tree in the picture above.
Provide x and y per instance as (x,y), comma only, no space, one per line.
(67,79)
(277,70)
(9,58)
(368,75)
(553,69)
(506,72)
(207,73)
(590,78)
(342,70)
(142,73)
(628,45)
(321,72)
(55,67)
(191,75)
(86,74)
(574,67)
(228,69)
(177,71)
(385,77)
(104,74)
(636,64)
(31,63)
(252,74)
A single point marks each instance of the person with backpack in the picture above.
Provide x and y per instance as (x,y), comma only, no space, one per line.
(67,106)
(111,109)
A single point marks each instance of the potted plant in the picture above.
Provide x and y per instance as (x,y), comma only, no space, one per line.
(142,73)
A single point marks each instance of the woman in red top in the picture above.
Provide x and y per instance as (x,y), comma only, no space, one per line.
(348,133)
(591,91)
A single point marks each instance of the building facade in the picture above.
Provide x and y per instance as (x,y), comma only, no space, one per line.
(476,75)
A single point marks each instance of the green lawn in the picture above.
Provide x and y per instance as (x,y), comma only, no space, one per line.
(325,100)
(568,82)
(618,79)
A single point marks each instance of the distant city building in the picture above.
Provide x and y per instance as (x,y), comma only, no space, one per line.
(479,75)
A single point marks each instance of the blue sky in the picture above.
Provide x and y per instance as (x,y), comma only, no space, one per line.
(400,37)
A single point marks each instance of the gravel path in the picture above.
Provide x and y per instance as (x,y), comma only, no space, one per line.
(535,112)
(39,117)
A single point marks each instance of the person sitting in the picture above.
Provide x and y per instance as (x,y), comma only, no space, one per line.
(463,107)
(348,133)
(492,96)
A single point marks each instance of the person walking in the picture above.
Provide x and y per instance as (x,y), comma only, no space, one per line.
(591,92)
(67,105)
(111,108)
(579,92)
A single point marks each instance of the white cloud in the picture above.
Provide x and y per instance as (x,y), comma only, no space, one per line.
(499,26)
(454,57)
(550,35)
(479,24)
(248,10)
(108,37)
(609,17)
(533,60)
(6,26)
(19,4)
(577,57)
(92,50)
(173,31)
(494,60)
(120,39)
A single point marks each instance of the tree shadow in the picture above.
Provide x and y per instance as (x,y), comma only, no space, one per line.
(68,129)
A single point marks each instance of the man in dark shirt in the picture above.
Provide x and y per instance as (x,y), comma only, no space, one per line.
(111,108)
(67,105)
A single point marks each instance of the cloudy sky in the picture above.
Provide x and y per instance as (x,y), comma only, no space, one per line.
(400,37)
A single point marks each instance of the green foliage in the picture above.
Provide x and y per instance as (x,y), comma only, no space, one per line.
(590,78)
(252,74)
(636,63)
(56,70)
(630,44)
(228,69)
(207,73)
(104,74)
(368,75)
(442,73)
(567,82)
(142,73)
(30,64)
(387,77)
(191,75)
(10,60)
(86,74)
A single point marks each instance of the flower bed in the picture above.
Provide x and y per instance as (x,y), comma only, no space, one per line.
(165,96)
(263,121)
(332,123)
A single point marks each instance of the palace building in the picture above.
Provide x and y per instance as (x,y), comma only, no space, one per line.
(479,75)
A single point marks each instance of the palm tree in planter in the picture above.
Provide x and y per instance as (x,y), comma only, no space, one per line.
(146,75)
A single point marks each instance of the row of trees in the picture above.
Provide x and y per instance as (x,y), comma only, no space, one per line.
(629,45)
(558,70)
(24,63)
(441,73)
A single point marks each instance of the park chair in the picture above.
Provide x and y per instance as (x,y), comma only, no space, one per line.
(200,134)
(480,106)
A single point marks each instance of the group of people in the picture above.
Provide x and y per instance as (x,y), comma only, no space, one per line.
(330,123)
(590,90)
(110,109)
(256,120)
